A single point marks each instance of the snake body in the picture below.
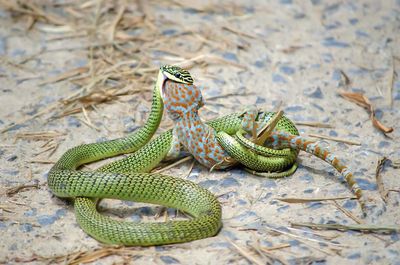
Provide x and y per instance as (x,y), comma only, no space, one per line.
(127,179)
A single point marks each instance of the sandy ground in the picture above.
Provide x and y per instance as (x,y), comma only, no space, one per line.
(75,72)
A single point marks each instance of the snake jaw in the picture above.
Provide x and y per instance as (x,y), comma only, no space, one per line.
(161,83)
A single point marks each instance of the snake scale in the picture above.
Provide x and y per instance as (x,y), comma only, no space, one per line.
(211,144)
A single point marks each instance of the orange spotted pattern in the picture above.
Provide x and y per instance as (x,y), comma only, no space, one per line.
(182,103)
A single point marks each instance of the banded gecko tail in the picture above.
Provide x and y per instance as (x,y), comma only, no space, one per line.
(284,140)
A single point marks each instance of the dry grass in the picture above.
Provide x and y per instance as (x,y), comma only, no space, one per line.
(104,30)
(124,43)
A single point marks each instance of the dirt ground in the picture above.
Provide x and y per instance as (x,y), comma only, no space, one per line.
(75,72)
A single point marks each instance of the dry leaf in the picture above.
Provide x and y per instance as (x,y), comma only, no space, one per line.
(363,101)
(357,98)
(380,126)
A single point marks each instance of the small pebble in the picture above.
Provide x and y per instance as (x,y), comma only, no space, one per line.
(169,260)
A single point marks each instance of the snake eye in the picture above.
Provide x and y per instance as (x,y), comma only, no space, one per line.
(177,75)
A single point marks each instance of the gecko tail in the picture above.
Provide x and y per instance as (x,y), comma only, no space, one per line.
(314,148)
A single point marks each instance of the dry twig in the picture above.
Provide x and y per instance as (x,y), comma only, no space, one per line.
(11,191)
(379,182)
(314,124)
(40,136)
(334,139)
(173,164)
(305,200)
(356,227)
(245,253)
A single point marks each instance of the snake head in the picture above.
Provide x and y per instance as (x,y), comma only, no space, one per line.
(176,74)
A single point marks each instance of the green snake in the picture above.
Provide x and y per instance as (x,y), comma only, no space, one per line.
(128,178)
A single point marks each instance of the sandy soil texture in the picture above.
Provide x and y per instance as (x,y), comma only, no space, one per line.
(74,72)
